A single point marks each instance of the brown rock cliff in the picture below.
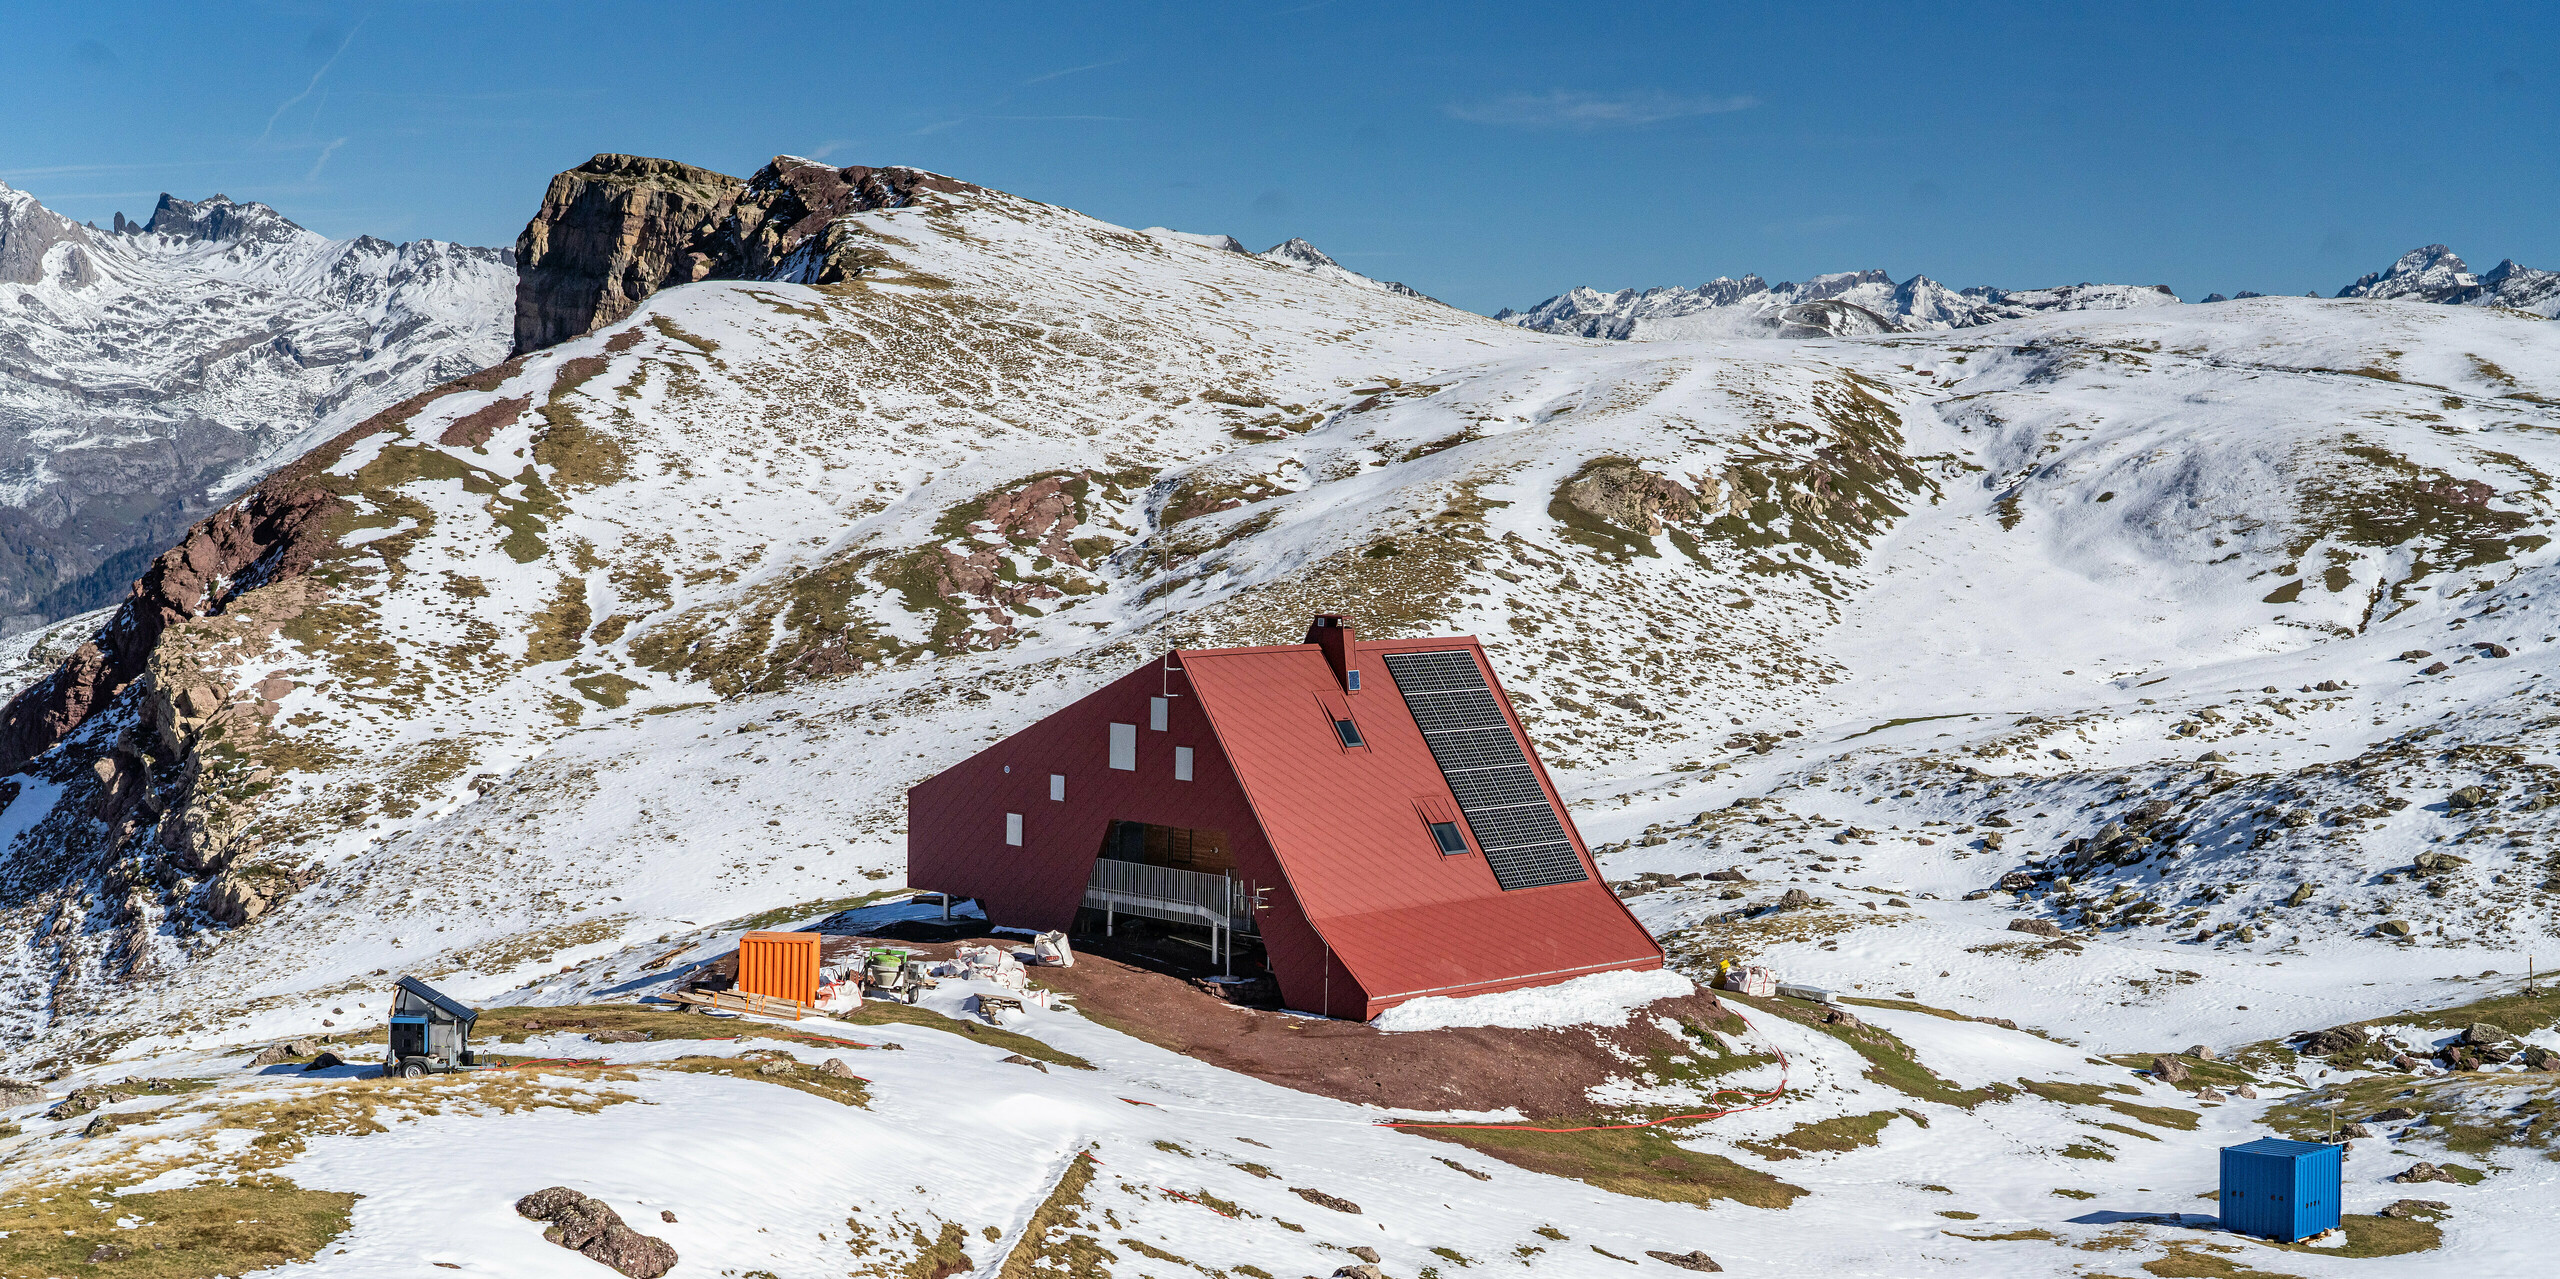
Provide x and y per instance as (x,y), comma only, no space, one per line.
(618,228)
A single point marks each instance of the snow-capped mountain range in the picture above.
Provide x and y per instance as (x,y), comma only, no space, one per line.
(150,370)
(1854,303)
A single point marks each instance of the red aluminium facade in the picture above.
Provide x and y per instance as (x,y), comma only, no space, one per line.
(1362,909)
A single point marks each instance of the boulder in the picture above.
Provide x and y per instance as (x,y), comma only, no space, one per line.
(595,1231)
(2432,861)
(1323,1200)
(1365,1253)
(2336,1039)
(99,1126)
(2461,1057)
(1360,1270)
(617,1036)
(2247,1091)
(2429,1208)
(1729,876)
(2481,1034)
(2435,668)
(2209,1094)
(835,1067)
(2540,1058)
(2017,881)
(2394,928)
(2415,654)
(2358,1131)
(2391,1115)
(2170,1070)
(2300,895)
(667,1215)
(272,1054)
(1795,899)
(1843,1018)
(2202,1052)
(1630,497)
(1693,1260)
(2467,797)
(2421,1171)
(2037,927)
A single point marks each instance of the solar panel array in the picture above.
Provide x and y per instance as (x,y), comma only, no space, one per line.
(1514,822)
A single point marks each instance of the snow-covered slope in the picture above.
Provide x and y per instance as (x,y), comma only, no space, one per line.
(148,372)
(591,658)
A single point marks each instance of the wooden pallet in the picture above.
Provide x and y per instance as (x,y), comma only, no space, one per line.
(747,1002)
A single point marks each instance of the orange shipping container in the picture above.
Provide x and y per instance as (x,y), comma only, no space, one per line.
(784,965)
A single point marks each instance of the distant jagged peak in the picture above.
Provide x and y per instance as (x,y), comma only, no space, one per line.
(1222,243)
(2429,273)
(1298,255)
(1751,306)
(2435,273)
(1297,252)
(216,218)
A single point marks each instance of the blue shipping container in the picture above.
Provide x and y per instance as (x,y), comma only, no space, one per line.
(2282,1190)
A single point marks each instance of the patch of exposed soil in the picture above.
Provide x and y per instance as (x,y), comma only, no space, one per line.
(1545,1074)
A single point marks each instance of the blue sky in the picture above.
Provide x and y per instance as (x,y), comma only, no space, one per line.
(1488,154)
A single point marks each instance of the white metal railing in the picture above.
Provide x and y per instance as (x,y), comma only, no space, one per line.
(1177,896)
(1162,892)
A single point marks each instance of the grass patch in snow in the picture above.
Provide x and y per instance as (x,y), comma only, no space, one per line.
(1053,1242)
(1843,1132)
(811,910)
(1644,1163)
(507,1025)
(2010,1237)
(2201,1073)
(797,1077)
(2375,1237)
(2112,1099)
(1889,1061)
(2187,1260)
(194,1233)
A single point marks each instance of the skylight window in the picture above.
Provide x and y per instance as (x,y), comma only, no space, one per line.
(1450,841)
(1349,733)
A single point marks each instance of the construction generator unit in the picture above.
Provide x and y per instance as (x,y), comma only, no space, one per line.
(430,1032)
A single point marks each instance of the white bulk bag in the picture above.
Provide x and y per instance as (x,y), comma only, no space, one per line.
(1052,950)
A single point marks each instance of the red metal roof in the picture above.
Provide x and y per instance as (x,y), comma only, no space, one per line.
(1348,827)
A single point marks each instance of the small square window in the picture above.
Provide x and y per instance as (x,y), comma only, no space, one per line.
(1058,786)
(1013,829)
(1156,708)
(1349,733)
(1182,763)
(1351,681)
(1446,835)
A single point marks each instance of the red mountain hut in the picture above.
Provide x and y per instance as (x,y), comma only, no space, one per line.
(1370,812)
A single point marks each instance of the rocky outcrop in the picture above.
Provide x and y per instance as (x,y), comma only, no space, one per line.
(1629,497)
(592,1229)
(620,227)
(276,532)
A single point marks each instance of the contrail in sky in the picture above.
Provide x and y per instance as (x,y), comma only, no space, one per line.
(288,104)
